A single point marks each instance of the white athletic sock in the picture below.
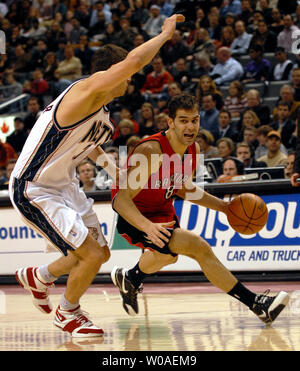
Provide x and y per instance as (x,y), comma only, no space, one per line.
(65,304)
(44,275)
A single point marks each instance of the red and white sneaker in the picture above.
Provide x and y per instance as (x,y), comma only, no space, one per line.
(28,279)
(76,323)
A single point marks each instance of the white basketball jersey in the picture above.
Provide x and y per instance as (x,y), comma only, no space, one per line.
(51,153)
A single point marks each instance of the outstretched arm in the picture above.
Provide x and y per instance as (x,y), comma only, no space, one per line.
(88,95)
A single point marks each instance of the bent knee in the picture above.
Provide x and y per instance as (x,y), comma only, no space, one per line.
(105,253)
(167,259)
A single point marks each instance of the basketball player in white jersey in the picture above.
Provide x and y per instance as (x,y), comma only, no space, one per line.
(45,191)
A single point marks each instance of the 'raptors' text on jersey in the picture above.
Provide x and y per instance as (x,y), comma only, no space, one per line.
(154,201)
(51,152)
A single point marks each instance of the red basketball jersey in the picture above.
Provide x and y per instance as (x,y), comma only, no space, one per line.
(154,201)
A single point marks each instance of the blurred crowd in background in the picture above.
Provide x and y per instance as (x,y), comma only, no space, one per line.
(236,56)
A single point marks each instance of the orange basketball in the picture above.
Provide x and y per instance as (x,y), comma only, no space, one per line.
(247,213)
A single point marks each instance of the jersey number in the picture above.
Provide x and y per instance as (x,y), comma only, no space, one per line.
(169,192)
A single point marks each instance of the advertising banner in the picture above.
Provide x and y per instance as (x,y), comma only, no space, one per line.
(275,248)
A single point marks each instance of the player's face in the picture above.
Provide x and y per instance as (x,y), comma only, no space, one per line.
(186,125)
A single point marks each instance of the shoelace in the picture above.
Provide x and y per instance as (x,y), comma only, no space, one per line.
(263,297)
(82,317)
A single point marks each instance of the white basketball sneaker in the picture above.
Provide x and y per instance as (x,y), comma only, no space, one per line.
(76,323)
(29,280)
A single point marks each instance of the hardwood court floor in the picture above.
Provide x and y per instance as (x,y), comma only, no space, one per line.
(173,317)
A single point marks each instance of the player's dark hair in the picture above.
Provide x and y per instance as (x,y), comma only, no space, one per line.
(106,56)
(183,101)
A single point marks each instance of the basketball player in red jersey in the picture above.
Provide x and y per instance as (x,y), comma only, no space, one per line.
(146,212)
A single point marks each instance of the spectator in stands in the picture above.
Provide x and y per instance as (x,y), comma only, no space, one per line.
(236,101)
(206,141)
(285,38)
(281,70)
(53,36)
(246,12)
(226,39)
(82,13)
(8,170)
(202,43)
(264,37)
(109,36)
(11,87)
(259,68)
(76,31)
(287,95)
(284,125)
(127,113)
(297,16)
(133,99)
(38,86)
(156,80)
(296,83)
(266,10)
(296,169)
(68,70)
(154,22)
(277,25)
(209,114)
(85,54)
(34,112)
(147,123)
(274,156)
(250,118)
(207,86)
(174,48)
(18,137)
(100,7)
(21,62)
(38,53)
(232,6)
(242,40)
(126,129)
(261,137)
(87,173)
(232,167)
(253,24)
(227,69)
(140,14)
(161,122)
(180,72)
(127,34)
(245,153)
(173,88)
(287,7)
(262,111)
(250,136)
(226,128)
(199,66)
(288,170)
(7,153)
(50,66)
(214,29)
(225,147)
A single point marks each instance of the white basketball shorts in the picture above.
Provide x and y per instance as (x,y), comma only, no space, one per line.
(64,217)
